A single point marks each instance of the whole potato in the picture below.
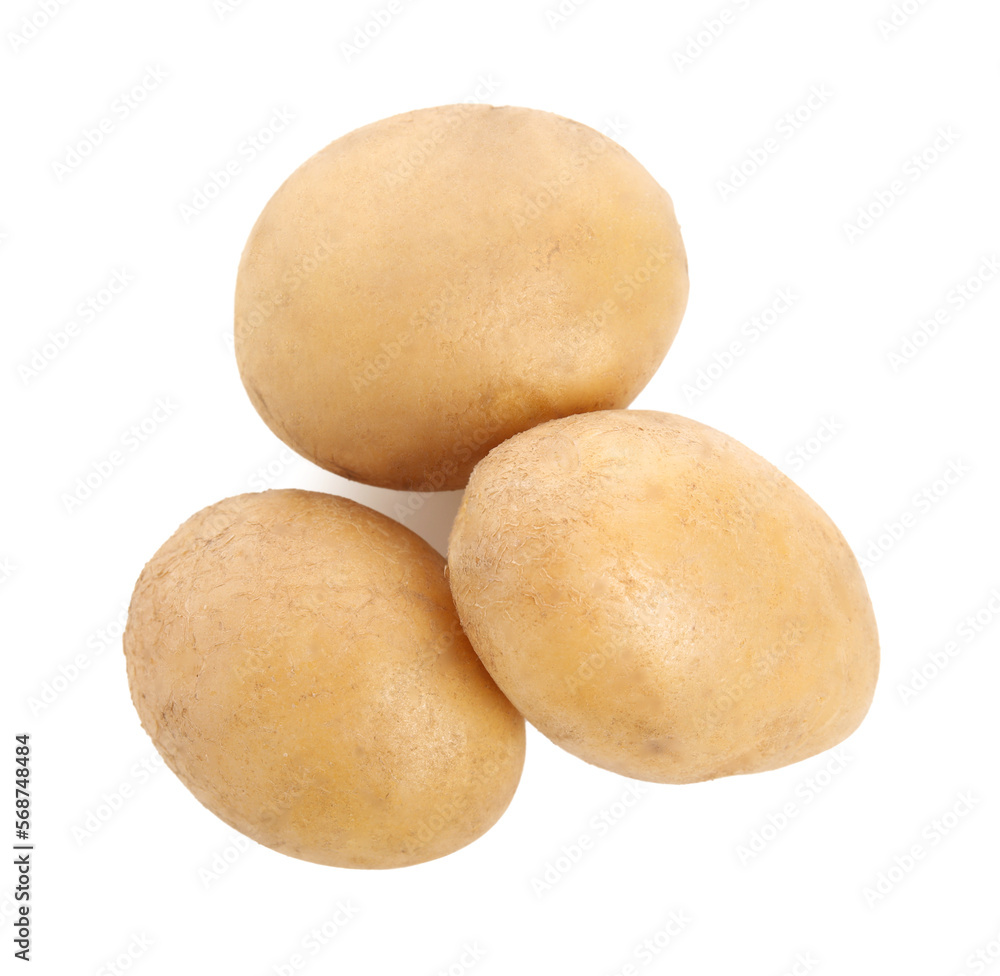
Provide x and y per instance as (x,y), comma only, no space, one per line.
(297,661)
(659,600)
(429,285)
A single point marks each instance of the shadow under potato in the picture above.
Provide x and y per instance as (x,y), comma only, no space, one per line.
(429,514)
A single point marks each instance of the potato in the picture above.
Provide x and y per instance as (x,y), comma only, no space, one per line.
(659,600)
(297,661)
(431,284)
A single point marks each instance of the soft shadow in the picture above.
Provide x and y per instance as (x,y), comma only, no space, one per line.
(429,514)
(432,515)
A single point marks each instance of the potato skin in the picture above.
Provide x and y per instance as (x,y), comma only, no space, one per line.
(297,661)
(660,601)
(429,285)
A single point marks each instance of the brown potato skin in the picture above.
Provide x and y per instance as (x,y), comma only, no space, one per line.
(297,661)
(660,601)
(401,308)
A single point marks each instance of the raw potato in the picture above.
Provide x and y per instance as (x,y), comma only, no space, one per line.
(660,601)
(297,661)
(431,284)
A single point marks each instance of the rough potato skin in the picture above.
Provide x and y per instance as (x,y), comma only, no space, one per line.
(661,601)
(429,285)
(297,661)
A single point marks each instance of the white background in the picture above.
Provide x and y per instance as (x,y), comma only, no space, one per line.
(147,880)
